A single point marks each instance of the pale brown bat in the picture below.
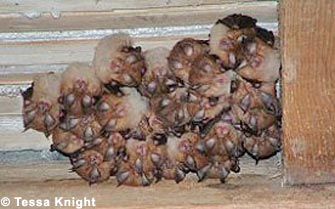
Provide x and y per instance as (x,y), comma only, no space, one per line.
(261,62)
(207,109)
(85,127)
(117,113)
(223,144)
(66,142)
(138,169)
(41,111)
(183,55)
(113,148)
(117,62)
(158,78)
(207,78)
(79,87)
(90,166)
(183,156)
(225,38)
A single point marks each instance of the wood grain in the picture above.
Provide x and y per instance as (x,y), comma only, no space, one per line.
(307,31)
(66,51)
(73,18)
(28,6)
(243,191)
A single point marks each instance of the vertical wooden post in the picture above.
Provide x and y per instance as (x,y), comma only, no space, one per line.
(307,29)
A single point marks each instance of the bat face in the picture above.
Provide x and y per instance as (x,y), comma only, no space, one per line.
(116,113)
(183,55)
(224,144)
(225,43)
(79,87)
(183,152)
(117,62)
(85,127)
(220,169)
(261,61)
(66,142)
(40,109)
(139,168)
(90,165)
(158,78)
(240,44)
(223,139)
(264,146)
(254,107)
(172,109)
(208,79)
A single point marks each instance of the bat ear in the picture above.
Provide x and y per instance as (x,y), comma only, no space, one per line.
(252,48)
(188,50)
(196,130)
(138,49)
(207,68)
(28,93)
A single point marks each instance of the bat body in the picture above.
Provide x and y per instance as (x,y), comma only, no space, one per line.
(117,62)
(79,87)
(41,111)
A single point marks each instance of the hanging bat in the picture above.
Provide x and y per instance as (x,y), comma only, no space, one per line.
(117,62)
(41,111)
(79,89)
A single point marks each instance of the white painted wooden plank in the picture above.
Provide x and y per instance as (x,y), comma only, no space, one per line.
(10,106)
(12,138)
(208,14)
(59,52)
(25,49)
(31,7)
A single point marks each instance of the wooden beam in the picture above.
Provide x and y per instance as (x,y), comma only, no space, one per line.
(57,6)
(307,29)
(118,19)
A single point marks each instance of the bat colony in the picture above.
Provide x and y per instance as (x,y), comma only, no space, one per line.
(161,114)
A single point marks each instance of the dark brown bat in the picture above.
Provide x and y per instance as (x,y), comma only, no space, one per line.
(183,55)
(172,109)
(265,145)
(183,154)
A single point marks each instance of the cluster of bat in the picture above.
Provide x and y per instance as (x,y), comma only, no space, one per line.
(160,114)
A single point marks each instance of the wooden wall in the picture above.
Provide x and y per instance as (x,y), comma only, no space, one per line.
(307,29)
